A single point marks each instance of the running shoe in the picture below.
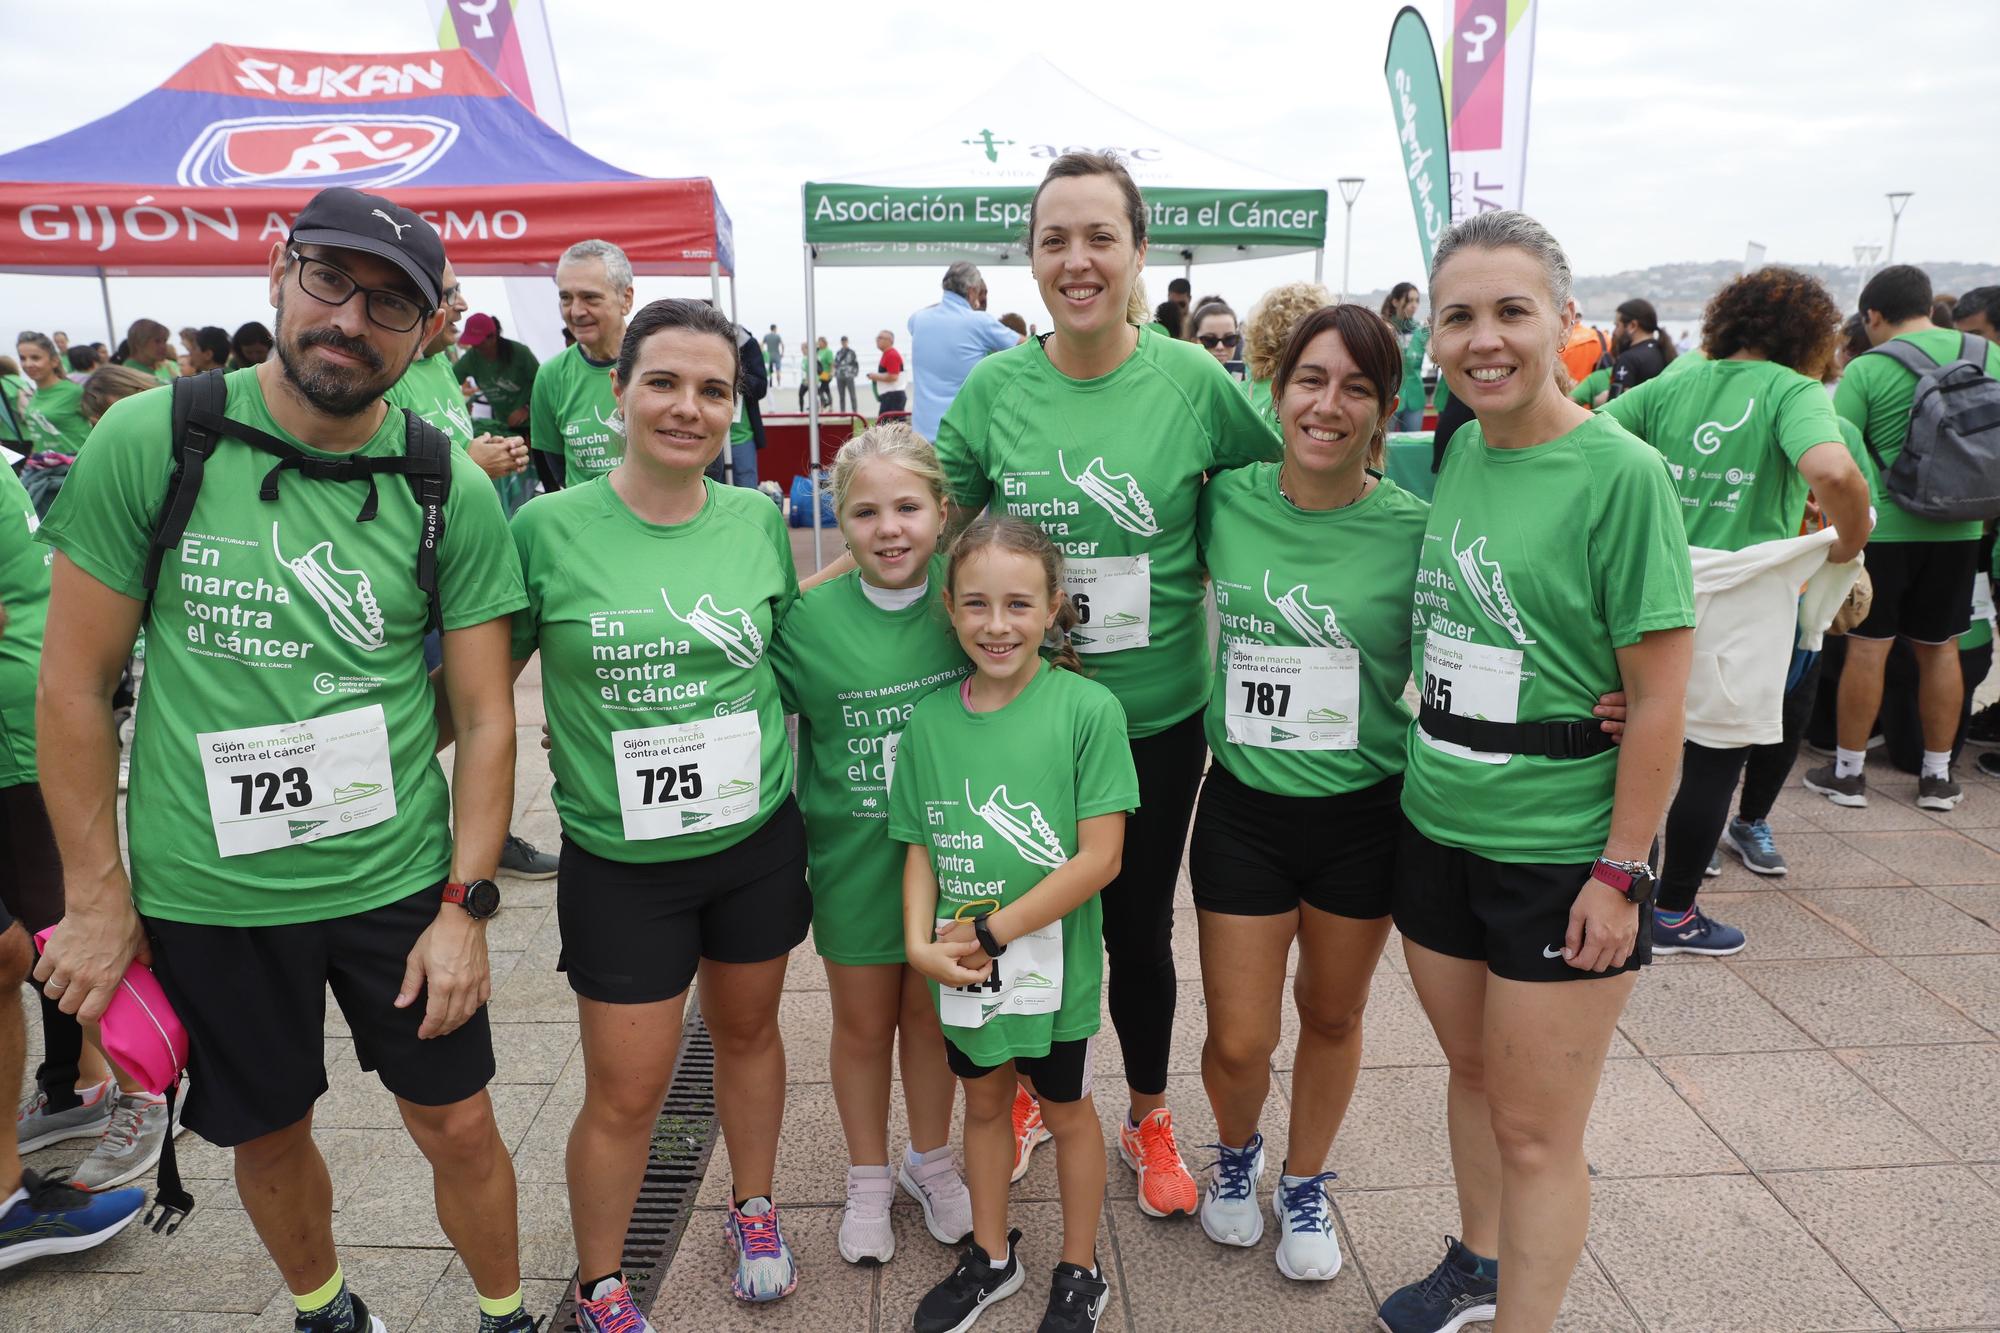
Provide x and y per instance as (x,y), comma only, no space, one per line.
(1230,1213)
(955,1304)
(1714,866)
(1938,793)
(130,1144)
(1308,1251)
(940,1191)
(339,1316)
(523,860)
(1028,1130)
(522,1322)
(865,1232)
(1752,841)
(1165,1186)
(1983,727)
(55,1219)
(1989,763)
(1849,791)
(1453,1296)
(37,1126)
(610,1309)
(1695,933)
(764,1267)
(1076,1299)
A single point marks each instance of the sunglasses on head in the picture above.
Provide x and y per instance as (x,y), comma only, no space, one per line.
(1214,340)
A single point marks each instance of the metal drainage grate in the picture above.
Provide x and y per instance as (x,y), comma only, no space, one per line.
(683,1138)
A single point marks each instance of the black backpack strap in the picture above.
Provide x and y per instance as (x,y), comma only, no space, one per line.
(428,450)
(199,401)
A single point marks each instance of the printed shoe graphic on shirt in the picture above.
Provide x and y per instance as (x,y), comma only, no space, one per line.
(615,423)
(1116,493)
(1488,588)
(1708,435)
(1022,825)
(731,631)
(354,791)
(1309,620)
(346,595)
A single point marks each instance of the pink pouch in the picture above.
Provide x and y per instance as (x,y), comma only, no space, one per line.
(142,1034)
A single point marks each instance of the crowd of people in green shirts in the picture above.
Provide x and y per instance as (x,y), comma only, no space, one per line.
(1124,604)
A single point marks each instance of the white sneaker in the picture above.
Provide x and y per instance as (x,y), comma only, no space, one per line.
(940,1191)
(1308,1251)
(1230,1213)
(865,1232)
(130,1145)
(37,1126)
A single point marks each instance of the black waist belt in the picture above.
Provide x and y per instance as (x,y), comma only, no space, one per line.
(1554,740)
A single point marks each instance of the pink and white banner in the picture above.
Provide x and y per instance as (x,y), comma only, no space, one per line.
(1489,72)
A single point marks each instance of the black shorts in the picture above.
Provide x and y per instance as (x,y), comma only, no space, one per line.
(1062,1076)
(1923,590)
(1511,916)
(253,999)
(31,883)
(635,933)
(1259,854)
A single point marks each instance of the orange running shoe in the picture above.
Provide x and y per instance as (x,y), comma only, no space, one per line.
(1165,1187)
(1028,1130)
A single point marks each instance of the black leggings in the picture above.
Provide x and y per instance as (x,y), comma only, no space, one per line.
(35,897)
(1764,776)
(1139,904)
(1696,818)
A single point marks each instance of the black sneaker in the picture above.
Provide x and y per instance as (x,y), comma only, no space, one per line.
(1938,793)
(1988,763)
(1076,1299)
(1850,791)
(956,1303)
(350,1317)
(523,860)
(1453,1296)
(1983,727)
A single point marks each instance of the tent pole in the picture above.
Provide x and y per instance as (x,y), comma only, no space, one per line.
(811,388)
(1319,263)
(715,283)
(732,298)
(715,302)
(110,325)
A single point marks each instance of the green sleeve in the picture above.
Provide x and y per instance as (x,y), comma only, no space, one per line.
(1639,553)
(1805,418)
(781,547)
(1106,780)
(961,445)
(906,801)
(479,573)
(527,629)
(542,431)
(1850,396)
(1632,409)
(1596,382)
(461,369)
(103,517)
(1238,433)
(1204,520)
(1850,435)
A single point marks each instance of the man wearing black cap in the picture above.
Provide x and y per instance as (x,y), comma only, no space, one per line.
(289,827)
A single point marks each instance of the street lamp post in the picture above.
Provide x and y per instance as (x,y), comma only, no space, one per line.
(1898,200)
(1350,190)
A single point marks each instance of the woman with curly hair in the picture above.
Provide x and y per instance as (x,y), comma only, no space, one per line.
(1269,326)
(1745,433)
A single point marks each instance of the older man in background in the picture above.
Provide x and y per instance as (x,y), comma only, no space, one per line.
(948,339)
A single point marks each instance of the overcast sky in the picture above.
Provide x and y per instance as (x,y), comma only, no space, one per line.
(1660,131)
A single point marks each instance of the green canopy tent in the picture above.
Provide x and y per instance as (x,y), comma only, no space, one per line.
(964,194)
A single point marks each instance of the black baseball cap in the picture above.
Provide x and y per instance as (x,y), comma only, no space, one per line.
(374,225)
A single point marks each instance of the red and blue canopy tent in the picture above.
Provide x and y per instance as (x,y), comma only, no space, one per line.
(198,177)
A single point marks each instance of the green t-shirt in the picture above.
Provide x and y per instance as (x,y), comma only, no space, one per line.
(573,412)
(1306,698)
(166,372)
(668,740)
(852,671)
(54,418)
(1596,382)
(283,766)
(1537,564)
(1684,361)
(1875,394)
(13,428)
(1732,433)
(506,380)
(1259,393)
(430,389)
(1111,469)
(24,595)
(1415,340)
(997,797)
(825,361)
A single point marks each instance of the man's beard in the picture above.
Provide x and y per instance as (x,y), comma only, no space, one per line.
(336,391)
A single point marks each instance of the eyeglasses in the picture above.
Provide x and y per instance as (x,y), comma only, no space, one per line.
(1214,340)
(332,286)
(453,295)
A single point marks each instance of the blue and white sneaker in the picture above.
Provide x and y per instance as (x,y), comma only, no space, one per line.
(1695,933)
(1453,1296)
(1752,841)
(55,1219)
(1308,1251)
(1229,1210)
(609,1308)
(765,1270)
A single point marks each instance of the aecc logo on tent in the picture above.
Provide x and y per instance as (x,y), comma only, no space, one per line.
(353,150)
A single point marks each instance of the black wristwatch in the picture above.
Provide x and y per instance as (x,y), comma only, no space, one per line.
(984,933)
(480,898)
(1634,879)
